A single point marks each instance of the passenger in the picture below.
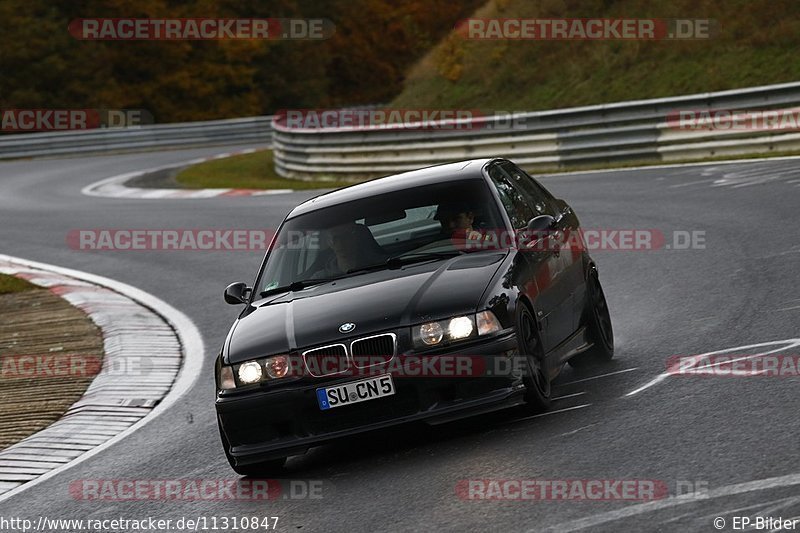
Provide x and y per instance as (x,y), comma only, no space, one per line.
(353,247)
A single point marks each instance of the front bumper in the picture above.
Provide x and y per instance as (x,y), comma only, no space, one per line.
(262,424)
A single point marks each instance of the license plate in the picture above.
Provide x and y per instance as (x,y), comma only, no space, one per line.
(355,392)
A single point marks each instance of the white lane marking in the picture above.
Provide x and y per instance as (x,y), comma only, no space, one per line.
(788,308)
(673,165)
(688,183)
(568,433)
(114,186)
(598,377)
(756,175)
(790,343)
(638,509)
(794,250)
(569,396)
(761,509)
(191,342)
(677,518)
(548,413)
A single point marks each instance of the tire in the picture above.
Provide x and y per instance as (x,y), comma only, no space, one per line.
(598,323)
(262,469)
(536,379)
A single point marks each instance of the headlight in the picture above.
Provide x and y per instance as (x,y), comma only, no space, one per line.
(459,328)
(434,333)
(250,372)
(431,333)
(455,329)
(487,323)
(277,367)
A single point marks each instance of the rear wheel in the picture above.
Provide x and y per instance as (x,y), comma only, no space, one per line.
(598,323)
(262,469)
(537,380)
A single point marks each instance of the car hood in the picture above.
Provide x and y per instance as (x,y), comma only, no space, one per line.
(375,301)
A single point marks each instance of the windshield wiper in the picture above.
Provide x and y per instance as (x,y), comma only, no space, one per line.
(425,256)
(295,286)
(407,259)
(392,262)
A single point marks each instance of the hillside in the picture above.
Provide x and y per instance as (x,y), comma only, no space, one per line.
(756,44)
(375,41)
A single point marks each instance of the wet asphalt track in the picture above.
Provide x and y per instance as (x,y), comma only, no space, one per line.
(742,289)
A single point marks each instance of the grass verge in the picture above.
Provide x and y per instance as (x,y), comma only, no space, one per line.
(12,284)
(32,392)
(246,171)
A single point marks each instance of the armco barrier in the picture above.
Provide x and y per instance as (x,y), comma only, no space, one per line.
(138,138)
(608,133)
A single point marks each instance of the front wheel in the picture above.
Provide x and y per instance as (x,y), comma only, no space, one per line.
(537,380)
(598,319)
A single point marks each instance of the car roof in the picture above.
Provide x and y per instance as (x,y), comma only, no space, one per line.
(436,174)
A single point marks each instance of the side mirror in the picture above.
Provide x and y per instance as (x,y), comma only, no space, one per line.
(541,223)
(237,293)
(563,207)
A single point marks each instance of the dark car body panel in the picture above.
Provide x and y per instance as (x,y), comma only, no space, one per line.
(376,301)
(283,418)
(296,423)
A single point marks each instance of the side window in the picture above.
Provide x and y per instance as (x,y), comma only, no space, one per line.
(517,207)
(540,200)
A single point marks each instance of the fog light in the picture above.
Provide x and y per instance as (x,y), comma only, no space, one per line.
(277,367)
(250,372)
(487,323)
(431,333)
(459,328)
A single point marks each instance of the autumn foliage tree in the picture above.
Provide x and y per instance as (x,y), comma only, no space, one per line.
(375,42)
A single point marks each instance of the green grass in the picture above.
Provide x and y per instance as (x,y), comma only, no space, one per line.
(756,44)
(250,171)
(247,171)
(11,284)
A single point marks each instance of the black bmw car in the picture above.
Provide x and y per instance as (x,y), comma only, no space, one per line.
(424,296)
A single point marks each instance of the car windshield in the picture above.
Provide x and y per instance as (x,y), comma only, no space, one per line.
(424,223)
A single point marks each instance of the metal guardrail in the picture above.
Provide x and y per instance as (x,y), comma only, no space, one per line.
(138,138)
(609,133)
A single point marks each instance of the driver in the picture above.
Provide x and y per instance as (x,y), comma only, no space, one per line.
(457,219)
